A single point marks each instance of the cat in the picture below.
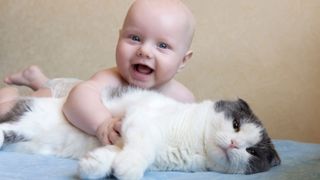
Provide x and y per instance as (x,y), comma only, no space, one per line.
(157,133)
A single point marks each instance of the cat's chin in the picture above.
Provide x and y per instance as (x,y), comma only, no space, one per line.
(226,154)
(219,159)
(223,160)
(222,153)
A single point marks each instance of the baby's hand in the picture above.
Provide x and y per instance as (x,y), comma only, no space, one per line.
(114,135)
(108,131)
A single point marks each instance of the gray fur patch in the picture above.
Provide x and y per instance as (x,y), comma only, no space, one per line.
(22,106)
(238,110)
(264,157)
(12,137)
(120,91)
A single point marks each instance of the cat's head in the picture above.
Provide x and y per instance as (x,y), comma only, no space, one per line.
(237,142)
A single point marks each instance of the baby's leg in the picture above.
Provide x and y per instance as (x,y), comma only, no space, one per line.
(31,76)
(8,97)
(42,92)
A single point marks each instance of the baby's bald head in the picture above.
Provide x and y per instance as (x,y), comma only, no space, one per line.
(173,10)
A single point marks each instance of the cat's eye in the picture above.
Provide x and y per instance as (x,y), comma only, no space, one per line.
(252,151)
(236,125)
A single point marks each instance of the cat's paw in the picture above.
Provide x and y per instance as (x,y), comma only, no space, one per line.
(97,164)
(129,166)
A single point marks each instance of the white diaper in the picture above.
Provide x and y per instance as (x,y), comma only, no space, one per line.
(60,87)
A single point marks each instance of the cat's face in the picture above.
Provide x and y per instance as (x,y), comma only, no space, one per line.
(237,142)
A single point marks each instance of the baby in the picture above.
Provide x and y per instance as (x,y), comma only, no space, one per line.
(154,44)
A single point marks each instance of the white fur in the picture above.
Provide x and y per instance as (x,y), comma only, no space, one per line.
(158,133)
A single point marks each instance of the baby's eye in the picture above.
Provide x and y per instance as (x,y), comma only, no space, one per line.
(163,45)
(135,38)
(236,125)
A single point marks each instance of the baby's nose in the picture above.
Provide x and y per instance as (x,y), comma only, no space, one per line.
(145,51)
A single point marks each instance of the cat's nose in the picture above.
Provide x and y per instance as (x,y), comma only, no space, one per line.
(233,144)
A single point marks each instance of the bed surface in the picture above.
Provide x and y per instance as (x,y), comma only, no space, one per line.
(299,161)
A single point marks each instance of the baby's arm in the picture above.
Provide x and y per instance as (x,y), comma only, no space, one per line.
(84,108)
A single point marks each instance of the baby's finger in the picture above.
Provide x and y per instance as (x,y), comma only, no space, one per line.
(105,140)
(113,137)
(117,127)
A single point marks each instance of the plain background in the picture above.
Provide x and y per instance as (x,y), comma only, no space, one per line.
(266,52)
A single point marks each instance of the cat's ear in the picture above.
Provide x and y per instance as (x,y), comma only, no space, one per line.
(273,157)
(244,105)
(276,160)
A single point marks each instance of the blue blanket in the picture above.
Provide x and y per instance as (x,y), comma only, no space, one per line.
(299,161)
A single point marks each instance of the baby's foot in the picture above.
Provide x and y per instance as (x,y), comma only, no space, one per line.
(31,76)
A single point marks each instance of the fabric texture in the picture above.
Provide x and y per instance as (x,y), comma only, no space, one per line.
(60,87)
(299,161)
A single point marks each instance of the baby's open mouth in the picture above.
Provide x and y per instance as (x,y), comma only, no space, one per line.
(143,69)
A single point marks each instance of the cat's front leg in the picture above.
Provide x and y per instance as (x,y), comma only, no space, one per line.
(137,154)
(97,163)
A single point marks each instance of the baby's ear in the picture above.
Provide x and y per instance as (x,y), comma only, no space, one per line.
(185,59)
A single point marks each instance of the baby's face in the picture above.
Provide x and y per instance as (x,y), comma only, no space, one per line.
(153,44)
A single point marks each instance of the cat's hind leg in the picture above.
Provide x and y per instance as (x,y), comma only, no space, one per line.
(97,163)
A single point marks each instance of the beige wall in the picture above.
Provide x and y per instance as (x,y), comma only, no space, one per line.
(266,52)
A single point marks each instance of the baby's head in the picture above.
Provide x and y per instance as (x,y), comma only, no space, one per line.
(166,13)
(154,42)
